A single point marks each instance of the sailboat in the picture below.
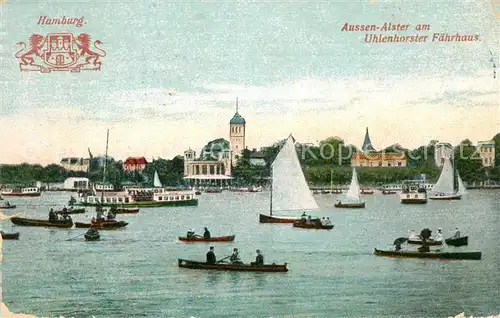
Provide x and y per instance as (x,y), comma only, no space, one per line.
(445,189)
(156,181)
(289,189)
(352,199)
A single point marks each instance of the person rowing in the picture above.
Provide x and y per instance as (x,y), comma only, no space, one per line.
(457,233)
(190,234)
(235,257)
(206,235)
(211,256)
(259,259)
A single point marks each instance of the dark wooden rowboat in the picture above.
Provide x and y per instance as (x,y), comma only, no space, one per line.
(92,236)
(126,211)
(183,263)
(354,205)
(8,206)
(10,236)
(72,211)
(271,219)
(388,192)
(315,224)
(429,242)
(45,223)
(430,255)
(367,191)
(459,241)
(103,225)
(229,238)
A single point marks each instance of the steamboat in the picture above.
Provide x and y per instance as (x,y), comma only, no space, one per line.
(21,192)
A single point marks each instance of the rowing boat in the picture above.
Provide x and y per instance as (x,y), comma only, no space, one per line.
(460,241)
(45,223)
(315,224)
(8,206)
(430,255)
(183,263)
(126,211)
(416,241)
(9,236)
(102,225)
(228,238)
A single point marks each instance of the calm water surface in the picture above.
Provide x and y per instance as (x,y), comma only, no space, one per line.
(133,272)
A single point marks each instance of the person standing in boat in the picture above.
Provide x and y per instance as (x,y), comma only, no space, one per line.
(206,234)
(235,257)
(259,259)
(52,215)
(211,256)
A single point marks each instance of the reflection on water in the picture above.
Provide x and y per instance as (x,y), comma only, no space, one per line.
(213,278)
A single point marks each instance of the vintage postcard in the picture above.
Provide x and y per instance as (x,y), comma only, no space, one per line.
(250,158)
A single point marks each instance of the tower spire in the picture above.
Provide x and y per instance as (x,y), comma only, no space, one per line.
(367,143)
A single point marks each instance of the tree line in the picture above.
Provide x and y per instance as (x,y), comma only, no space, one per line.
(327,162)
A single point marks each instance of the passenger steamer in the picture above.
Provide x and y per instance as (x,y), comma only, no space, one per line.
(140,197)
(21,192)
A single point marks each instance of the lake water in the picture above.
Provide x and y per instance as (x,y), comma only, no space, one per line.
(133,272)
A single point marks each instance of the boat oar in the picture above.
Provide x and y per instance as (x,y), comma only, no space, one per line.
(75,237)
(220,261)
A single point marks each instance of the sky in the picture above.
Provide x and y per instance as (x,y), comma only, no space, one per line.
(173,70)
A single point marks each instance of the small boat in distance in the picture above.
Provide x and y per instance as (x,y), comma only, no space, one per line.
(457,241)
(449,185)
(10,236)
(367,191)
(197,239)
(430,255)
(43,223)
(92,235)
(351,199)
(183,263)
(7,205)
(315,224)
(289,190)
(213,190)
(126,211)
(102,225)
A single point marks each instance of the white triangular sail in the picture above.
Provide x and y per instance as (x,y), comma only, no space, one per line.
(290,191)
(353,192)
(156,181)
(461,186)
(445,181)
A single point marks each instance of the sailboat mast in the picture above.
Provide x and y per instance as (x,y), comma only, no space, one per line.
(271,195)
(105,158)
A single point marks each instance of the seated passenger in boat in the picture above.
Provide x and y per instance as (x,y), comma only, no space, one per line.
(303,217)
(398,247)
(52,215)
(327,221)
(457,233)
(439,235)
(190,234)
(211,256)
(7,203)
(206,234)
(235,257)
(111,216)
(309,220)
(323,221)
(259,259)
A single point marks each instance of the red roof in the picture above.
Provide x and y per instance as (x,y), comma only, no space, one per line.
(135,161)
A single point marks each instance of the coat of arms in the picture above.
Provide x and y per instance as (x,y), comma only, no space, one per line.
(60,52)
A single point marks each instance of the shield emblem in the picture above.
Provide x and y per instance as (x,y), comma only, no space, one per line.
(495,6)
(60,52)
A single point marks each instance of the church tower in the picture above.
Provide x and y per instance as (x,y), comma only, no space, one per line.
(236,135)
(367,143)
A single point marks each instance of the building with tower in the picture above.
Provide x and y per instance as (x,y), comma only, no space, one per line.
(236,135)
(369,157)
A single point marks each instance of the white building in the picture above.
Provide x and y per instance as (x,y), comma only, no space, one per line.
(486,150)
(442,150)
(75,164)
(76,184)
